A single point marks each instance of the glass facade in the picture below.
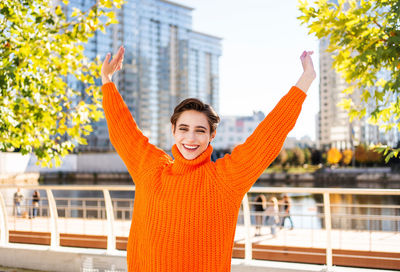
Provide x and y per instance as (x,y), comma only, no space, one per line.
(165,62)
(204,52)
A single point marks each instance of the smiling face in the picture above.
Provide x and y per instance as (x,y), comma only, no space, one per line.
(192,134)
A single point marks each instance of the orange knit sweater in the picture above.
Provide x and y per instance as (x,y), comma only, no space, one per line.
(185,211)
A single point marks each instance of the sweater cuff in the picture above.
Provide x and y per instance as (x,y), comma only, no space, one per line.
(109,87)
(296,94)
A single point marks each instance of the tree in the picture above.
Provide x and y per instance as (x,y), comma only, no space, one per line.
(40,48)
(282,157)
(365,39)
(374,157)
(298,156)
(316,157)
(370,156)
(361,154)
(334,156)
(290,158)
(307,155)
(347,156)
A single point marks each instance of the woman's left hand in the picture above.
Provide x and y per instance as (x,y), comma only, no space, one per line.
(307,63)
(309,74)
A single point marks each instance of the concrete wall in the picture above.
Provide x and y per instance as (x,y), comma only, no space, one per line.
(15,163)
(88,162)
(12,163)
(69,165)
(108,162)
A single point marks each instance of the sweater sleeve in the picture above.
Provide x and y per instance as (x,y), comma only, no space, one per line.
(241,169)
(130,143)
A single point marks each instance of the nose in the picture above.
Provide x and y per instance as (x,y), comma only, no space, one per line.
(191,136)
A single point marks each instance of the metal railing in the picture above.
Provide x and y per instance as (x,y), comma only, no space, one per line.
(109,207)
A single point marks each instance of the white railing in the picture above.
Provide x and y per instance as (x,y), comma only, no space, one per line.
(111,210)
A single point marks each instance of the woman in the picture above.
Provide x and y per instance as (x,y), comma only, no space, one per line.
(186,208)
(286,210)
(272,214)
(35,203)
(259,207)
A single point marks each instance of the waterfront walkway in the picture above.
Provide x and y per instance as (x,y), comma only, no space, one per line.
(297,245)
(96,241)
(313,238)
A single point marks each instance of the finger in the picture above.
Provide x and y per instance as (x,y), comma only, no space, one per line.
(107,59)
(120,53)
(121,56)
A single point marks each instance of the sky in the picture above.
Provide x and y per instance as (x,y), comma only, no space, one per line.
(261,46)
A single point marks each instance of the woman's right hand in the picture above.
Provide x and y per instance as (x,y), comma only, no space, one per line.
(110,67)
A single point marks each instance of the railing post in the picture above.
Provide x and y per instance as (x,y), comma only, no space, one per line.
(55,236)
(68,210)
(99,213)
(247,225)
(110,221)
(328,224)
(3,222)
(84,213)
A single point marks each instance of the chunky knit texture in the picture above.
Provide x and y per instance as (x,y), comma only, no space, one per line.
(185,211)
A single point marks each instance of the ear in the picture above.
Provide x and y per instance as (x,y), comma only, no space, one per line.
(173,129)
(213,135)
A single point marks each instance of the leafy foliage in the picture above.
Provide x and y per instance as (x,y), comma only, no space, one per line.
(40,48)
(361,154)
(365,155)
(307,155)
(365,39)
(316,157)
(298,156)
(282,158)
(347,156)
(334,156)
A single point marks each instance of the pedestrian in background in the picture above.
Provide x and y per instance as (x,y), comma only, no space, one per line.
(35,203)
(286,202)
(260,206)
(272,213)
(18,198)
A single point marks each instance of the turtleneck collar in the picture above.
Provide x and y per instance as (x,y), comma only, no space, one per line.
(182,165)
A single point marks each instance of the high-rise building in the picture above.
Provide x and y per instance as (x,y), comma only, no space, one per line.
(165,62)
(234,130)
(334,127)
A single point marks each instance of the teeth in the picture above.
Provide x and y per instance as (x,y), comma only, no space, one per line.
(191,146)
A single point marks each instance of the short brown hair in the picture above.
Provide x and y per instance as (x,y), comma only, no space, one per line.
(195,104)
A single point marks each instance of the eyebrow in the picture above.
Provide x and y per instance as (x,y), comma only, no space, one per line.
(184,125)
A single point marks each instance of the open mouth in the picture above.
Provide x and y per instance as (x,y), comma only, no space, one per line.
(190,148)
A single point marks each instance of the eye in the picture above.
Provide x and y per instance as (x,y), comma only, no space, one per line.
(183,129)
(201,131)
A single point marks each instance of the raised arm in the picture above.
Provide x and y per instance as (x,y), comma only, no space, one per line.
(248,161)
(132,146)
